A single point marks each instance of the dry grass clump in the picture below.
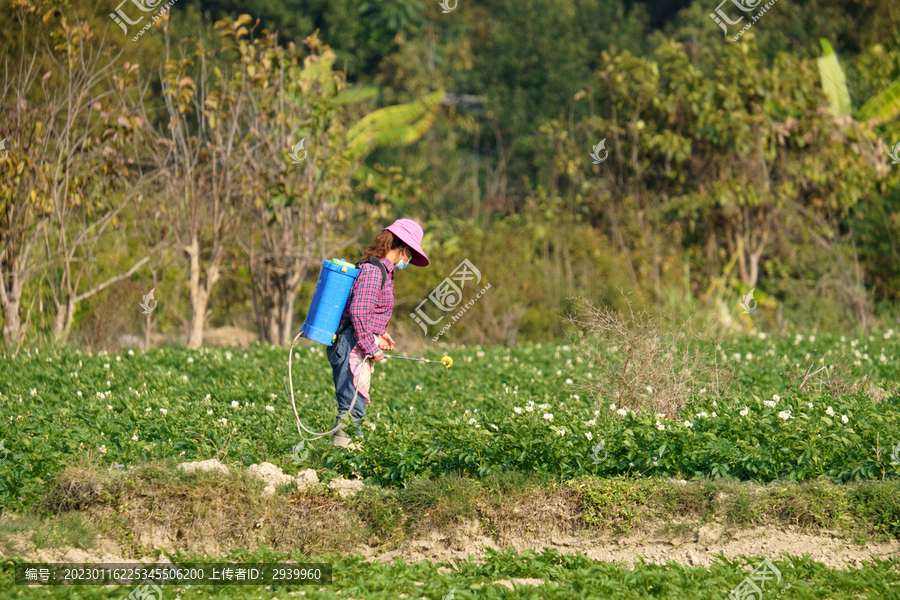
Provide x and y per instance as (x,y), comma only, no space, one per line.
(644,362)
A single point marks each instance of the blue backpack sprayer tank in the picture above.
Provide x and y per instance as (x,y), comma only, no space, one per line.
(322,322)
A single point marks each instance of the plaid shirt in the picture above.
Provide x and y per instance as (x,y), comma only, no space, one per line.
(368,308)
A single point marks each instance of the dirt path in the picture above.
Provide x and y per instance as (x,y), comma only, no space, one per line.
(696,548)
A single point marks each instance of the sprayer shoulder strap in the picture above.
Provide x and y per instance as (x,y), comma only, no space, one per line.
(377,262)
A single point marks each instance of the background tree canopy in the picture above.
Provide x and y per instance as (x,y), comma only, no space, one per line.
(169,158)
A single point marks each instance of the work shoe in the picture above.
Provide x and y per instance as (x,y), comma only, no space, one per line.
(340,439)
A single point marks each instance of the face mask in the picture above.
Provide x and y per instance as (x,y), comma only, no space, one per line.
(402,264)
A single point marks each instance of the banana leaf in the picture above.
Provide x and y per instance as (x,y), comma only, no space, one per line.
(833,81)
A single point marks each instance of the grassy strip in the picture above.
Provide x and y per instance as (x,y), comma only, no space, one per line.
(620,505)
(155,504)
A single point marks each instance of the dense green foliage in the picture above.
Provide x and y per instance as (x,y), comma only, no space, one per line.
(725,170)
(488,413)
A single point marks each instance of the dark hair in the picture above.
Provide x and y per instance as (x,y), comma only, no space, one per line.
(383,243)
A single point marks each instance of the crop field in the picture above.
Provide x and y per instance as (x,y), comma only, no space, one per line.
(496,409)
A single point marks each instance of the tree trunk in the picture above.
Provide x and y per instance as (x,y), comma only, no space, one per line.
(12,324)
(290,295)
(199,290)
(62,321)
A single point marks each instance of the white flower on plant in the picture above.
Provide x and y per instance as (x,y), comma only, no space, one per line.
(716,404)
(529,408)
(109,407)
(785,414)
(701,414)
(494,426)
(228,355)
(769,403)
(270,408)
(190,359)
(561,431)
(559,373)
(148,409)
(209,412)
(830,412)
(589,435)
(660,426)
(845,419)
(235,403)
(596,413)
(78,393)
(130,352)
(688,424)
(163,411)
(776,397)
(575,396)
(223,421)
(118,359)
(471,421)
(714,415)
(649,389)
(134,438)
(592,422)
(33,392)
(105,365)
(372,426)
(809,404)
(418,388)
(621,412)
(568,381)
(518,410)
(273,396)
(543,406)
(548,416)
(102,449)
(184,378)
(612,406)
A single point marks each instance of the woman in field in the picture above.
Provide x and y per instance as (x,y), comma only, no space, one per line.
(362,335)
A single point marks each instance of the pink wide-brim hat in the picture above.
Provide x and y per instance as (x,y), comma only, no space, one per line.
(411,233)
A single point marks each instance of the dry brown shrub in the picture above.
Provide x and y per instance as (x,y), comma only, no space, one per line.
(645,362)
